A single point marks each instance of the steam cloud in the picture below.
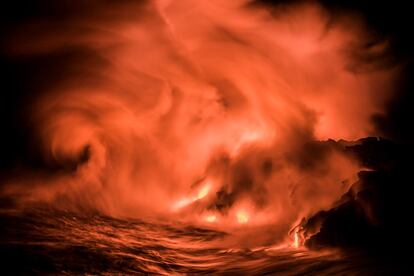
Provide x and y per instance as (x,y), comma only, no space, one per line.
(159,98)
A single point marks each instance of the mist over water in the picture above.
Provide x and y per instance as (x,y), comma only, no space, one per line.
(49,243)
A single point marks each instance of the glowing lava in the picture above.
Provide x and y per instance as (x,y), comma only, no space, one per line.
(296,239)
(202,193)
(211,218)
(242,217)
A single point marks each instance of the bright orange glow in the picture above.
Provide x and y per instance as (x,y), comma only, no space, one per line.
(203,191)
(296,239)
(182,203)
(242,217)
(211,218)
(190,107)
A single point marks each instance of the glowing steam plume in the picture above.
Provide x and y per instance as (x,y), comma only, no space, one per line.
(202,109)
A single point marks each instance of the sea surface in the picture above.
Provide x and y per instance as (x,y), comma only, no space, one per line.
(46,242)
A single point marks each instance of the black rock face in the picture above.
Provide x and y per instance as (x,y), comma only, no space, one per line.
(375,214)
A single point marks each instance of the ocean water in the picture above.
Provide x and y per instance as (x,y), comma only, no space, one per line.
(46,242)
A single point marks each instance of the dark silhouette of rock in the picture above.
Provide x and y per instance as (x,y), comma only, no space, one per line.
(375,213)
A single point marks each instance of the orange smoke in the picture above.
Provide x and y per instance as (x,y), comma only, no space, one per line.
(205,108)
